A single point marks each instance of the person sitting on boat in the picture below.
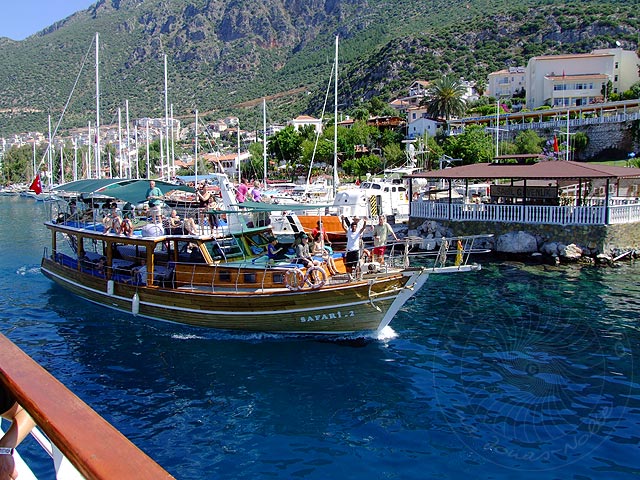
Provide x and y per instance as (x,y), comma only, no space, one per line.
(21,425)
(126,227)
(303,253)
(274,251)
(325,238)
(189,226)
(154,197)
(320,250)
(127,210)
(112,222)
(354,237)
(380,233)
(141,272)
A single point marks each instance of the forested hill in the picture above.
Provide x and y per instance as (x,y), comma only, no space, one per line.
(224,53)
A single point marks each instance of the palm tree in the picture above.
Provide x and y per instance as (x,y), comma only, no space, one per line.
(444,99)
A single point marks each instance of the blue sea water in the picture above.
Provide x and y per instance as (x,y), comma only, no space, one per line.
(515,371)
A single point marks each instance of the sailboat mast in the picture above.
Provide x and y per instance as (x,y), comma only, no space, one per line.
(119,142)
(195,148)
(264,140)
(166,116)
(239,169)
(335,126)
(147,138)
(126,107)
(97,156)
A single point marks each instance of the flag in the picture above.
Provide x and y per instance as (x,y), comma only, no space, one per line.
(556,149)
(36,185)
(458,261)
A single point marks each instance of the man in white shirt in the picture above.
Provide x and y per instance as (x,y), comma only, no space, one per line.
(354,236)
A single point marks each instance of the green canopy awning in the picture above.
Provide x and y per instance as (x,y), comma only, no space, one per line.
(127,190)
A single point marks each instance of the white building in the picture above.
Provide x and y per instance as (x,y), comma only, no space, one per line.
(417,128)
(507,82)
(574,80)
(304,120)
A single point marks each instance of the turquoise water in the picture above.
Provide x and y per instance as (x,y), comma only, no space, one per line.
(512,372)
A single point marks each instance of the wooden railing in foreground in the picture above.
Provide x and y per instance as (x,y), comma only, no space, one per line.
(96,449)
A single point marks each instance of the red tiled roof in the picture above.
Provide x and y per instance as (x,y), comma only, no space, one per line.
(541,170)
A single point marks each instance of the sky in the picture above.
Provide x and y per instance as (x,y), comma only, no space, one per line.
(22,18)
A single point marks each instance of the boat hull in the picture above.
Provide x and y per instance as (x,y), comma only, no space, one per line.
(363,306)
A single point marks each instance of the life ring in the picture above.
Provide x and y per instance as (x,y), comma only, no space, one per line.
(294,279)
(315,277)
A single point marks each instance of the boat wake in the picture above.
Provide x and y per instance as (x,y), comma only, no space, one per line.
(26,269)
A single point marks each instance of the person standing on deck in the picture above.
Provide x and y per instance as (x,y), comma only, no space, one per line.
(380,233)
(154,197)
(354,238)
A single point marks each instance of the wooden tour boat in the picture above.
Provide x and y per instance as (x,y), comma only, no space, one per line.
(222,278)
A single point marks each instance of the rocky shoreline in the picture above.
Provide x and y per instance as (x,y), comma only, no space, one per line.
(524,245)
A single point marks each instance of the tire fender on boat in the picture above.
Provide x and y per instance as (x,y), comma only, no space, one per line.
(135,304)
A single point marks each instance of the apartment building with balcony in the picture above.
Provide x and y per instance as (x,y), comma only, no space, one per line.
(506,82)
(575,80)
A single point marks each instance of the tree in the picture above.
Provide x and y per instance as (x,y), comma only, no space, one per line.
(285,145)
(444,98)
(528,141)
(580,142)
(472,146)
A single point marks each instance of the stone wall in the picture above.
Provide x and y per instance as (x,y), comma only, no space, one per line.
(621,138)
(600,238)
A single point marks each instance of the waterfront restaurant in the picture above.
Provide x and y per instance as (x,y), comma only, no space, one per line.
(567,201)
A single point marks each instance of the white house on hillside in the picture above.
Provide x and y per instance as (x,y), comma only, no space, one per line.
(507,82)
(574,80)
(304,120)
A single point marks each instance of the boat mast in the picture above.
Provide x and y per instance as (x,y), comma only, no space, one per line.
(335,126)
(264,141)
(173,145)
(97,156)
(126,108)
(166,115)
(50,157)
(195,148)
(148,174)
(239,169)
(119,142)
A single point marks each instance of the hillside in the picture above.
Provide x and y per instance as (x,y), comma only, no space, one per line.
(224,55)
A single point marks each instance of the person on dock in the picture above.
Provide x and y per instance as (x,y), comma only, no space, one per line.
(154,197)
(21,425)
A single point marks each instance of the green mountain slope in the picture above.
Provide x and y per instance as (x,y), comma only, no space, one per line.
(223,53)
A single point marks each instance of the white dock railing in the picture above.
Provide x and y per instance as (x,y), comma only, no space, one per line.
(527,214)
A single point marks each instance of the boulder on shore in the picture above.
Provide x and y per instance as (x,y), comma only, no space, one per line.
(516,242)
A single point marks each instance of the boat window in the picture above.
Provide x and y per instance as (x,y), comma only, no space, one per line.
(278,278)
(224,276)
(250,278)
(375,186)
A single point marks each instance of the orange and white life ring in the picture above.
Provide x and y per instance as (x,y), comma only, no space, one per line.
(294,279)
(315,277)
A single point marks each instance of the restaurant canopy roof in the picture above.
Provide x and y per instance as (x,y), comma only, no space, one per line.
(550,170)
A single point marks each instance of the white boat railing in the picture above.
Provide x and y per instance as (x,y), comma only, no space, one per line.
(527,214)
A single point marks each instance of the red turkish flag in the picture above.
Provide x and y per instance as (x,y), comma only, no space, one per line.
(555,144)
(36,185)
